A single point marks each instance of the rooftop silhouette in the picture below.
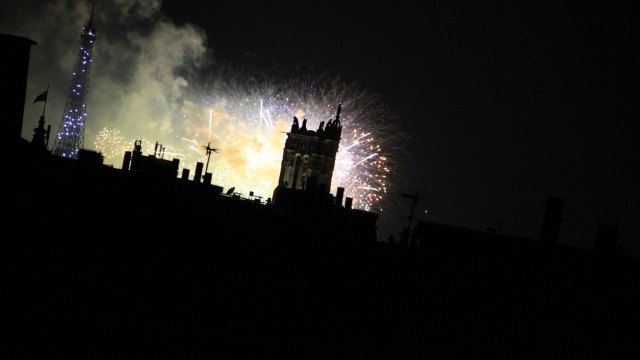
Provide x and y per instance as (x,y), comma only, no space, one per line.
(145,262)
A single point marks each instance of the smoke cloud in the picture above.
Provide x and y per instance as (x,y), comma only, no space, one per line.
(152,79)
(137,77)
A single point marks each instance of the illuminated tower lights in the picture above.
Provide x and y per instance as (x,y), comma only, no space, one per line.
(70,137)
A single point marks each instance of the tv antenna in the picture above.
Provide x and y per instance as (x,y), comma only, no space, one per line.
(208,149)
(415,199)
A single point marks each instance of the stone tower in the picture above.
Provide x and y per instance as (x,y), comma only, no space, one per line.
(309,157)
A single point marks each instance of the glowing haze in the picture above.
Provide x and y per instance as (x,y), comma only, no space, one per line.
(247,124)
(156,81)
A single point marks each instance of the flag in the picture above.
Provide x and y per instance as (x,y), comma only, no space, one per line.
(41,97)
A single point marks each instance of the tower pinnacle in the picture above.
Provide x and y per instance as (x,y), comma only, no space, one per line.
(309,156)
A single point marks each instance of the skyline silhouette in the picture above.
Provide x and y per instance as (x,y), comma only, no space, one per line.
(497,107)
(147,261)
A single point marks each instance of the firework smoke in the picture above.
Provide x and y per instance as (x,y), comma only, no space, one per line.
(247,123)
(156,81)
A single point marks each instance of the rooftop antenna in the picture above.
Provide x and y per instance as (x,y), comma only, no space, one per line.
(415,199)
(208,149)
(406,233)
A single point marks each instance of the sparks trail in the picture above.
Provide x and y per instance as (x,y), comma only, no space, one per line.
(248,120)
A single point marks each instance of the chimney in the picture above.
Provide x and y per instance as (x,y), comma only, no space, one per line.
(198,173)
(127,160)
(347,203)
(207,178)
(339,196)
(175,165)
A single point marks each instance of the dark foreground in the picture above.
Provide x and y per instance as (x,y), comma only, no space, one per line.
(149,300)
(96,265)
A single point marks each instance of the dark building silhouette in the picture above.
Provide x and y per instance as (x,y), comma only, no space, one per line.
(15,61)
(90,158)
(138,263)
(150,166)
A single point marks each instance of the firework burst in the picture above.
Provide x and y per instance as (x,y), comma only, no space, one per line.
(247,121)
(111,144)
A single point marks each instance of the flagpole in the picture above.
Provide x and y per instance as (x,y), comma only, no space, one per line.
(45,101)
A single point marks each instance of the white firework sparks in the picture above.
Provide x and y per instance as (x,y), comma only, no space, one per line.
(248,122)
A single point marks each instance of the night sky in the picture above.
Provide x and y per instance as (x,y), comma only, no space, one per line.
(501,105)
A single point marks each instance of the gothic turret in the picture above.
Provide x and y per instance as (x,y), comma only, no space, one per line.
(309,156)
